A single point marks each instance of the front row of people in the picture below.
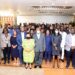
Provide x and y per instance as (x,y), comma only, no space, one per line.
(28,49)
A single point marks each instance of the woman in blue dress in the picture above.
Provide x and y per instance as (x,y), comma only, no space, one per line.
(48,50)
(14,45)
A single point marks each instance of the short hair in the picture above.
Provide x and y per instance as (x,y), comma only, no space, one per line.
(37,27)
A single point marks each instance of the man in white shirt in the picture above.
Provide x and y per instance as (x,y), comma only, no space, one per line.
(68,43)
(22,34)
(63,35)
(73,47)
(70,48)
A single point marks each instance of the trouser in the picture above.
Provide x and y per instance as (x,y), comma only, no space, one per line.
(48,55)
(73,58)
(62,53)
(68,57)
(21,55)
(38,58)
(6,54)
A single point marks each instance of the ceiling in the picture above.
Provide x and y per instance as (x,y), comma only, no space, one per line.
(39,7)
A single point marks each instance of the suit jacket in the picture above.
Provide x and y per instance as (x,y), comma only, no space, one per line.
(19,40)
(57,40)
(3,40)
(39,43)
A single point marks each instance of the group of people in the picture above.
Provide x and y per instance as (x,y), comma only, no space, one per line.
(34,43)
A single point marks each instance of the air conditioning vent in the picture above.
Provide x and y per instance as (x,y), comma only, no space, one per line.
(56,7)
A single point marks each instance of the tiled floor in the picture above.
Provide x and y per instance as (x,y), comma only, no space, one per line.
(59,71)
(20,71)
(10,69)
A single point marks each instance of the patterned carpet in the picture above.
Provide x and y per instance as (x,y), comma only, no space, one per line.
(20,71)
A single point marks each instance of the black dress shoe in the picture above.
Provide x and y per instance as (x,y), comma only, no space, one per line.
(26,67)
(62,60)
(30,68)
(67,67)
(35,66)
(4,62)
(40,66)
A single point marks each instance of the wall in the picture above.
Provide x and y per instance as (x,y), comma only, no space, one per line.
(45,19)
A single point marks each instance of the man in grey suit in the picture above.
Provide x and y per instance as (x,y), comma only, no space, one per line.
(39,47)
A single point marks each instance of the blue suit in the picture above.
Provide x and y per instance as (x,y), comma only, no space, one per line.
(10,31)
(20,48)
(48,50)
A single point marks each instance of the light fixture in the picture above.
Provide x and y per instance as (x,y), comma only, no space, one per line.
(6,13)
